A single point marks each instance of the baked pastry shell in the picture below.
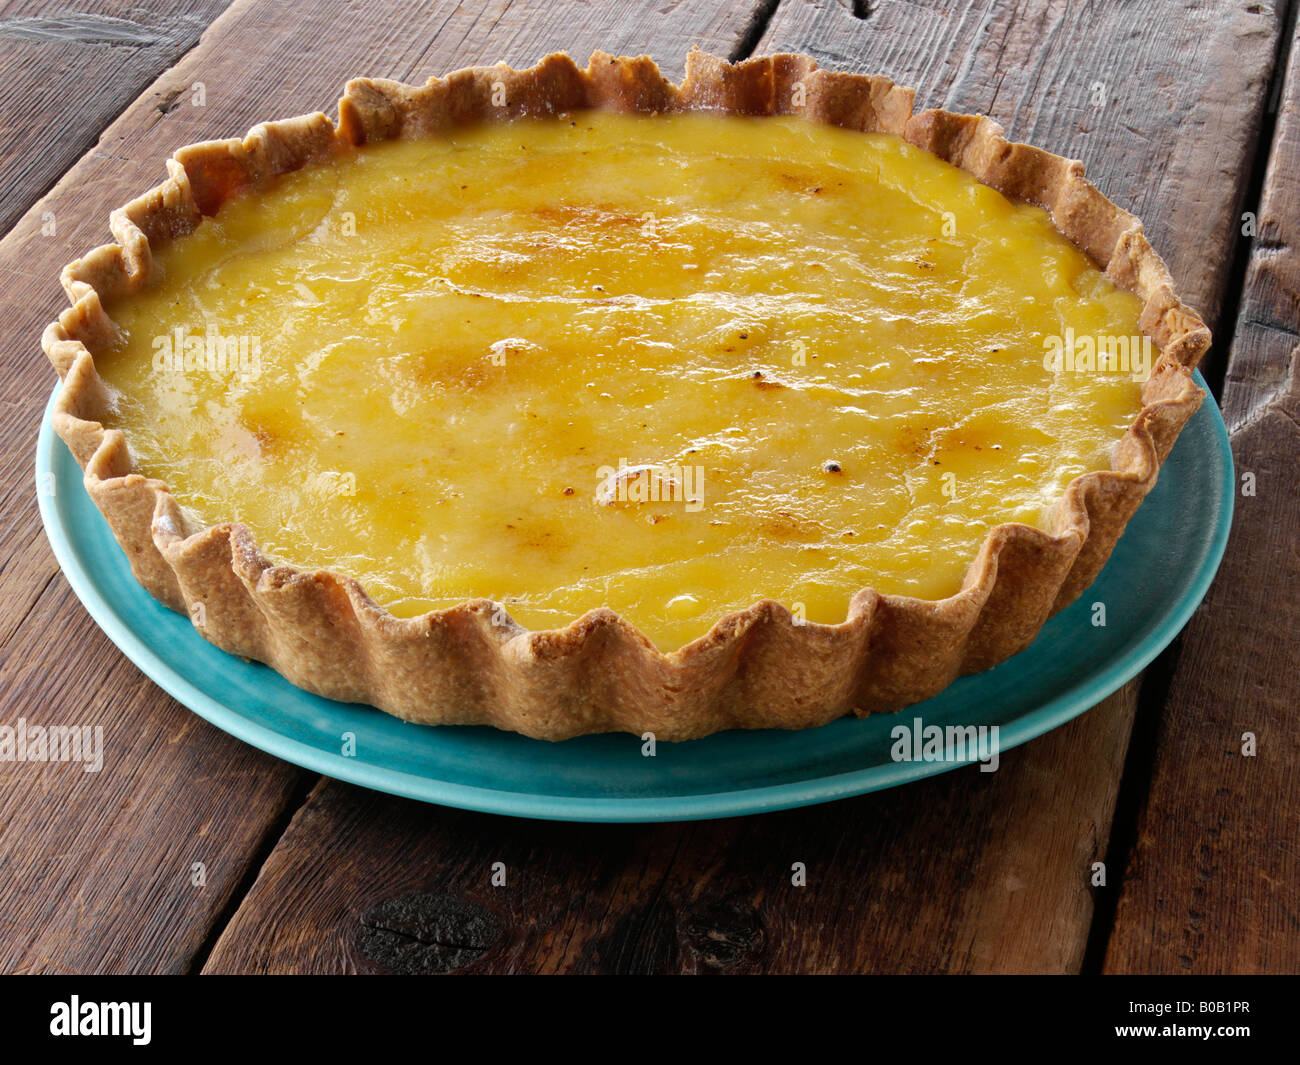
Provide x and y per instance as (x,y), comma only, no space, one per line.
(471,664)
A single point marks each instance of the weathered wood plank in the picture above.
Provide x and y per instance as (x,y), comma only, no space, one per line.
(67,71)
(97,879)
(964,873)
(577,897)
(890,888)
(96,869)
(1213,883)
(63,77)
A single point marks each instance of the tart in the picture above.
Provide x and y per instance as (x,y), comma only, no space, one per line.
(572,401)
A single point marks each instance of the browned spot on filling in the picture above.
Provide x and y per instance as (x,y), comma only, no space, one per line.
(463,371)
(784,524)
(803,184)
(912,438)
(761,380)
(973,436)
(249,441)
(592,215)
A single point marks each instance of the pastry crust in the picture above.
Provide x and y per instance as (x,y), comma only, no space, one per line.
(756,668)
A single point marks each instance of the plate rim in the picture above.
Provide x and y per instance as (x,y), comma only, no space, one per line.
(1061,708)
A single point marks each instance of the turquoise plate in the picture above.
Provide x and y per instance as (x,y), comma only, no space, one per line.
(1157,575)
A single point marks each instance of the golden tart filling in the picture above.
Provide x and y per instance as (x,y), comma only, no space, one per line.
(669,365)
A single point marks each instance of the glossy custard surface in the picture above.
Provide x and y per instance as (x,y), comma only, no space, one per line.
(670,365)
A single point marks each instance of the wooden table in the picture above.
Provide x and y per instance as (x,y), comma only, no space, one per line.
(1189,115)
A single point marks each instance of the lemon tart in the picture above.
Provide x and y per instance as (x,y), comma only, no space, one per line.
(572,401)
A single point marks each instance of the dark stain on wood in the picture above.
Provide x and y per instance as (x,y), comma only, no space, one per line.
(720,935)
(419,934)
(170,100)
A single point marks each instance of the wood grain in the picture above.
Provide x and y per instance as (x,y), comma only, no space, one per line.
(94,872)
(1213,883)
(890,888)
(98,870)
(965,873)
(65,75)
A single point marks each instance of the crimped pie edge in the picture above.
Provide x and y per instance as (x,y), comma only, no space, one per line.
(756,668)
